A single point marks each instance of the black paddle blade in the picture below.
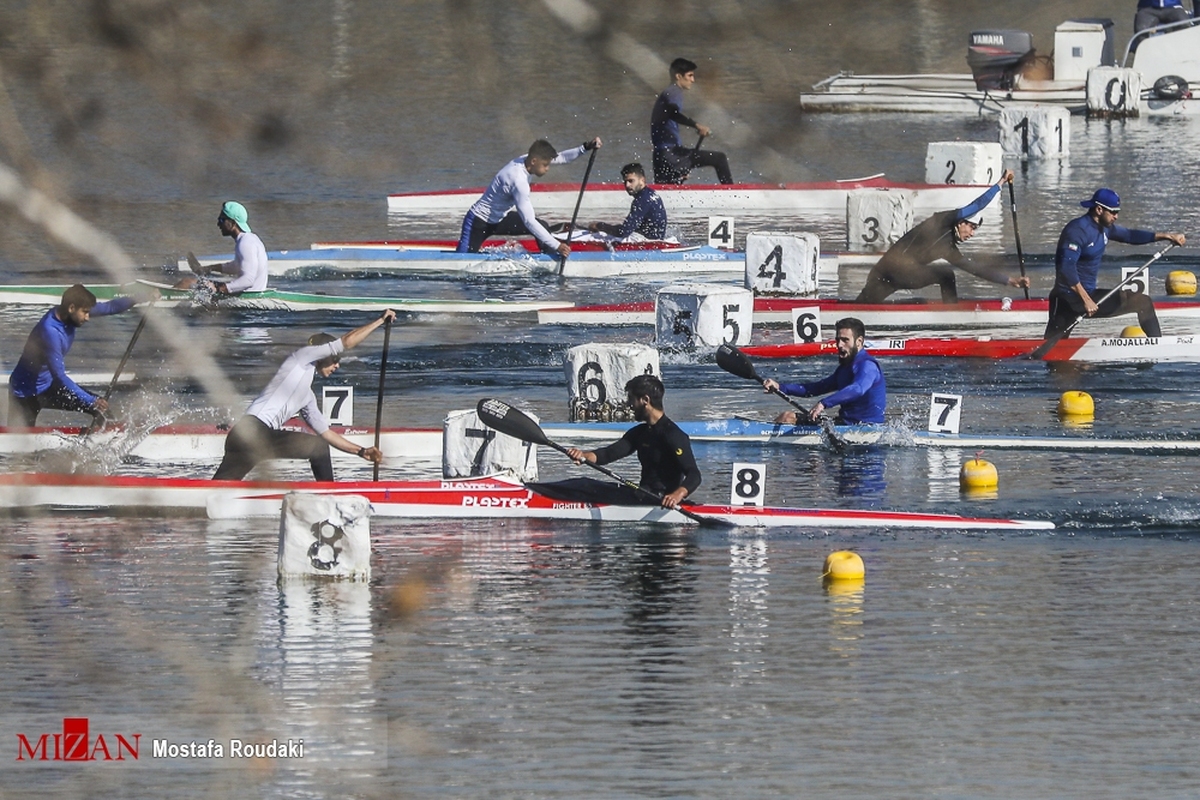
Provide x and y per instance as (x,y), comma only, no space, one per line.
(506,419)
(734,361)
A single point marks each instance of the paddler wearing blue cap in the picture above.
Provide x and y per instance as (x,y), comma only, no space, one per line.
(908,264)
(1077,265)
(249,264)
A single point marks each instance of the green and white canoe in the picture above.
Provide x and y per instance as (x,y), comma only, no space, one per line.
(279,300)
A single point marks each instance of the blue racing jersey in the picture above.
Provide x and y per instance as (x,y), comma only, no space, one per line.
(858,388)
(1080,249)
(665,118)
(41,363)
(646,216)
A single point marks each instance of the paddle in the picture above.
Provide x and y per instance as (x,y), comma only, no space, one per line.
(735,362)
(692,159)
(562,260)
(506,419)
(97,416)
(387,340)
(194,263)
(1012,203)
(1046,346)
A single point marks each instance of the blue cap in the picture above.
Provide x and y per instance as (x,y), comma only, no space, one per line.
(237,212)
(1105,198)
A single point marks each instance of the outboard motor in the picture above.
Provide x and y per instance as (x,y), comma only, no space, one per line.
(996,56)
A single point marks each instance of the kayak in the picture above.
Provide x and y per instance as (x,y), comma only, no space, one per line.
(611,199)
(476,498)
(1094,350)
(278,300)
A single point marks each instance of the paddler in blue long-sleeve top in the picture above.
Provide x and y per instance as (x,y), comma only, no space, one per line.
(908,264)
(857,385)
(505,208)
(1077,265)
(647,218)
(40,378)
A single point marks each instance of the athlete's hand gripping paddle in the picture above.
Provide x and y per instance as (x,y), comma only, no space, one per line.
(501,416)
(562,260)
(735,362)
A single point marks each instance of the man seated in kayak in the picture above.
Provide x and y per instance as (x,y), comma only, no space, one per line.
(857,385)
(259,434)
(40,379)
(672,161)
(249,264)
(668,467)
(647,218)
(1077,265)
(908,264)
(505,208)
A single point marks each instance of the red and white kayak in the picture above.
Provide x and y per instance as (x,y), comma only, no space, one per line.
(693,199)
(478,498)
(902,314)
(1097,350)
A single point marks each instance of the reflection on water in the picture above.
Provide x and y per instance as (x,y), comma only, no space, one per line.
(749,591)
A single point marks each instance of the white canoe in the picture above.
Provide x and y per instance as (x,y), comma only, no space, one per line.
(179,444)
(479,498)
(610,199)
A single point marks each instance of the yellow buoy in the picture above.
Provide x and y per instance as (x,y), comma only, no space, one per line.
(1133,332)
(1076,404)
(1180,281)
(978,474)
(844,565)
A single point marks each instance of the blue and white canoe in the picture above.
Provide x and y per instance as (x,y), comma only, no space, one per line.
(519,257)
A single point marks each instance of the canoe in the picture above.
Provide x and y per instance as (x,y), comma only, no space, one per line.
(279,300)
(476,498)
(1093,350)
(611,200)
(905,314)
(182,443)
(588,260)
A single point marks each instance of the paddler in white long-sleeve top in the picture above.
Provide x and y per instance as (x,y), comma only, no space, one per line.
(249,264)
(505,209)
(259,435)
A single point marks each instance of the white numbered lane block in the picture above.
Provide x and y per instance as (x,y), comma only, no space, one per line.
(875,219)
(1141,283)
(471,449)
(1036,132)
(596,377)
(325,535)
(1113,91)
(944,412)
(963,163)
(749,485)
(782,263)
(720,232)
(703,314)
(337,404)
(806,324)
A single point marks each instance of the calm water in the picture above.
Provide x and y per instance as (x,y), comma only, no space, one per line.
(567,660)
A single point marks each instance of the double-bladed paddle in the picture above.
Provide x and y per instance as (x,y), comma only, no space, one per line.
(562,260)
(508,420)
(387,340)
(735,362)
(1047,345)
(1012,203)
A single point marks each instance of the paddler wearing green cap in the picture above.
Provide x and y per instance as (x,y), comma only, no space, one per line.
(249,264)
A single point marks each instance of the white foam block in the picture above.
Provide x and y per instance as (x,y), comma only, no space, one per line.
(782,263)
(471,449)
(691,314)
(963,163)
(596,377)
(1114,91)
(875,220)
(325,535)
(1036,132)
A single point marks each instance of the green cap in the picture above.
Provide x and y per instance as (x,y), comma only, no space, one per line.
(237,212)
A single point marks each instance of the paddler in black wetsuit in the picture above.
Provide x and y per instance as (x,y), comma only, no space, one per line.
(908,264)
(668,466)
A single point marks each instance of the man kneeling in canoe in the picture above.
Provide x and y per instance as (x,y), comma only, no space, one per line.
(908,264)
(259,435)
(647,218)
(858,386)
(668,467)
